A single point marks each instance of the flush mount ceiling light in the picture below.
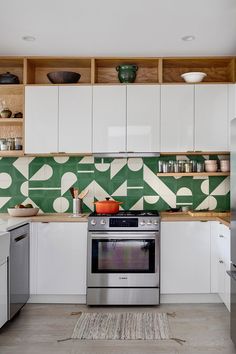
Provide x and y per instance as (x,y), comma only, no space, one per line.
(188,38)
(28,38)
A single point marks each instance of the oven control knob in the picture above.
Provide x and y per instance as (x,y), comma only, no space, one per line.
(93,222)
(149,222)
(155,222)
(103,222)
(142,222)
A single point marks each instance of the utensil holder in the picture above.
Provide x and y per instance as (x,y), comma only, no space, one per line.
(77,207)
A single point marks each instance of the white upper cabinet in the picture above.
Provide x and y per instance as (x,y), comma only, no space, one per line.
(58,119)
(75,119)
(143,118)
(211,117)
(41,119)
(177,118)
(109,118)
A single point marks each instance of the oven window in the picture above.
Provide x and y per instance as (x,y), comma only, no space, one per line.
(123,256)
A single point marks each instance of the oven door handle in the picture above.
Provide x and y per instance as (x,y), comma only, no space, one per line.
(130,235)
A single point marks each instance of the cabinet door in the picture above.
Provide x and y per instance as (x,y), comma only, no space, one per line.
(211,117)
(3,293)
(185,257)
(75,119)
(177,118)
(109,118)
(143,118)
(61,258)
(41,119)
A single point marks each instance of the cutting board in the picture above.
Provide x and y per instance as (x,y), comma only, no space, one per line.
(208,213)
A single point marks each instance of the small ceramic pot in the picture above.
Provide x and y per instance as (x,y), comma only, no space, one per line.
(6,113)
(127,73)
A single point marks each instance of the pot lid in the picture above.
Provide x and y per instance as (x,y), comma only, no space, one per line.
(107,201)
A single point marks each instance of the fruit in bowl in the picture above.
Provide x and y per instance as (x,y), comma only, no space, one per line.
(23,210)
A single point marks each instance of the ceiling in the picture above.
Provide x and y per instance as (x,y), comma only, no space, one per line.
(118,28)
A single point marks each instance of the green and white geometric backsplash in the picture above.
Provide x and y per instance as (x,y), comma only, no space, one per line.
(45,182)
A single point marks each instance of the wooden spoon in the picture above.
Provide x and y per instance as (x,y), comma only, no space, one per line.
(83,194)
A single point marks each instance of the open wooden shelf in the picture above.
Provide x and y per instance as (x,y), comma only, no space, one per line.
(194,153)
(218,69)
(105,70)
(15,65)
(12,121)
(192,174)
(12,153)
(38,67)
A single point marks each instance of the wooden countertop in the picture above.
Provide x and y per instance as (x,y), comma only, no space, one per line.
(59,217)
(184,216)
(165,216)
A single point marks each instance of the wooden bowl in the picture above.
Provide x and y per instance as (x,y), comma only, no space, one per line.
(63,77)
(23,211)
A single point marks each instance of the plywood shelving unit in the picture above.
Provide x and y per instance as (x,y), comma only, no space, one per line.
(12,96)
(192,174)
(101,71)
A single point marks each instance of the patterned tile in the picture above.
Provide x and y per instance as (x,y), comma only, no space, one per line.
(46,182)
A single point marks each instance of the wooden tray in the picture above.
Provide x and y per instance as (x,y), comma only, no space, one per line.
(208,213)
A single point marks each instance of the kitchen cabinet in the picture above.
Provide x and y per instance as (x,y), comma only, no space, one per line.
(41,119)
(126,118)
(220,261)
(58,258)
(4,253)
(143,118)
(211,117)
(58,119)
(177,118)
(185,257)
(109,119)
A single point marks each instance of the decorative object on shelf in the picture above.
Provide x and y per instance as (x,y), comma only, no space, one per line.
(193,77)
(6,113)
(17,115)
(224,165)
(63,77)
(127,73)
(211,165)
(8,79)
(3,144)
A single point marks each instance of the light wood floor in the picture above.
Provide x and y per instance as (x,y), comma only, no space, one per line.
(36,329)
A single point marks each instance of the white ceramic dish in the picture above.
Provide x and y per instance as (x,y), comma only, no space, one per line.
(193,77)
(211,168)
(23,211)
(210,162)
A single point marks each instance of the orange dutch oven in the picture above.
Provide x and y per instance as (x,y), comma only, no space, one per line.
(107,206)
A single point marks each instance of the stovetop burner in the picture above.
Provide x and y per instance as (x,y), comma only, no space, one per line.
(128,213)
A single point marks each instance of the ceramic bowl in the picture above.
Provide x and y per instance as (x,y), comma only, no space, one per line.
(211,168)
(23,211)
(210,162)
(193,77)
(63,77)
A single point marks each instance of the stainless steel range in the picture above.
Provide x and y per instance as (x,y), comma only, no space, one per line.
(124,258)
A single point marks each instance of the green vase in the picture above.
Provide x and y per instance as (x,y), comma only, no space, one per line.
(127,72)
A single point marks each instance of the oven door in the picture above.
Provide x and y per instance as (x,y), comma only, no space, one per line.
(119,259)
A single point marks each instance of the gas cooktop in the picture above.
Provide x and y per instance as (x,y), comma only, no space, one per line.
(128,213)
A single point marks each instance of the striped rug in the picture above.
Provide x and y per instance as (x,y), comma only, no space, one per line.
(122,326)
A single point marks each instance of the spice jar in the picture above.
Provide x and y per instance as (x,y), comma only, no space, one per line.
(3,144)
(18,143)
(187,167)
(10,144)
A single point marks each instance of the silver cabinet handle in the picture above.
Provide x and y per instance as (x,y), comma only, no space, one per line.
(19,238)
(222,236)
(221,262)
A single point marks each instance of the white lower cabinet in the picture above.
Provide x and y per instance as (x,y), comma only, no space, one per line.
(185,257)
(58,258)
(220,261)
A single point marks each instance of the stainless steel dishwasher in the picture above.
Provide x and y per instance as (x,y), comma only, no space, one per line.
(18,272)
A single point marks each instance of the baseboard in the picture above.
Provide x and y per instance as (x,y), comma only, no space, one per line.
(57,299)
(189,298)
